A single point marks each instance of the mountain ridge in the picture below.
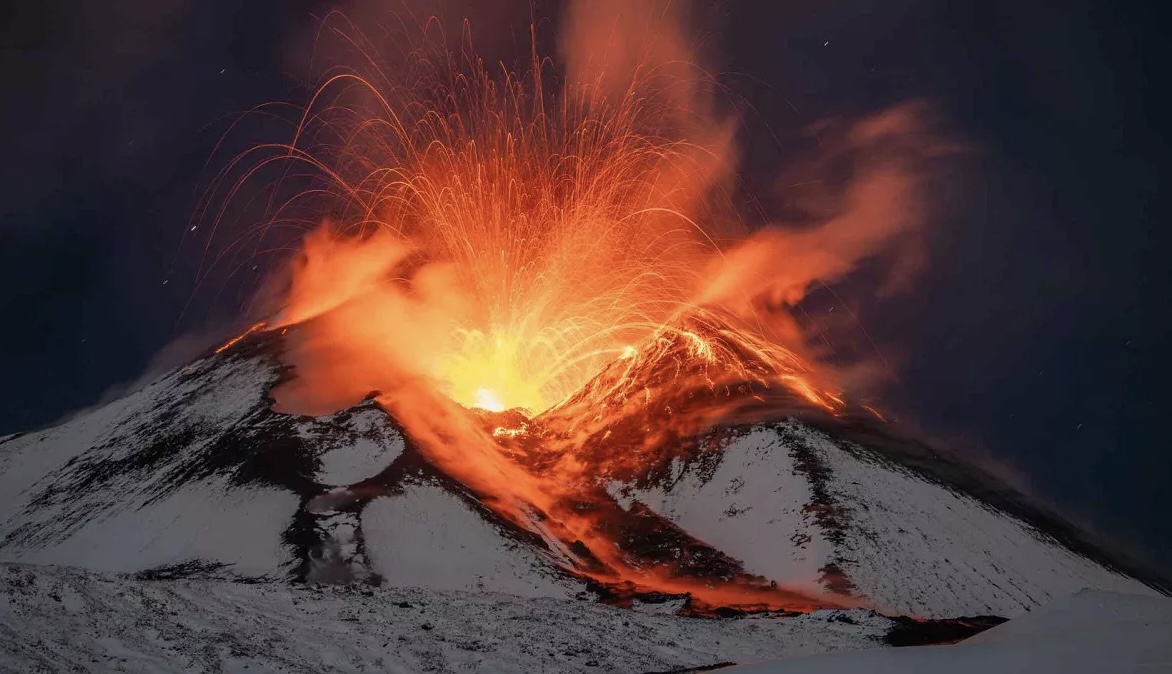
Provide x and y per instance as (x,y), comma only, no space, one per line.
(345,498)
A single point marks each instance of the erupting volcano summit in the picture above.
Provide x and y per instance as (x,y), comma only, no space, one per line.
(622,500)
(519,335)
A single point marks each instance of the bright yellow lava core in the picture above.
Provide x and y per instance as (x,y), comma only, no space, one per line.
(487,399)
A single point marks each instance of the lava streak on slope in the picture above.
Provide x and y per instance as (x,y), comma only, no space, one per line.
(484,243)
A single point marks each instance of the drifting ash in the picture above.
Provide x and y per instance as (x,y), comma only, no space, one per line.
(200,524)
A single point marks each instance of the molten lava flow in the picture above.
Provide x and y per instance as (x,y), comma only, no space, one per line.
(572,255)
(236,340)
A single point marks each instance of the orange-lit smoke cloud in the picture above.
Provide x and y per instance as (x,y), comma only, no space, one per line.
(880,210)
(616,49)
(364,328)
(497,245)
(373,326)
(495,239)
(503,241)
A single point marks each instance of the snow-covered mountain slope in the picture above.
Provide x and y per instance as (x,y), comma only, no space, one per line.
(196,476)
(54,619)
(791,501)
(1090,632)
(152,479)
(427,538)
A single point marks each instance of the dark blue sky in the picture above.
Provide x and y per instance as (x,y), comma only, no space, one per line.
(1039,332)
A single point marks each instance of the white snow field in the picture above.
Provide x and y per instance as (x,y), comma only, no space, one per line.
(428,538)
(54,619)
(190,527)
(910,545)
(134,515)
(197,469)
(1092,632)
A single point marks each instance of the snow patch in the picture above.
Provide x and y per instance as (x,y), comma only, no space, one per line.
(377,444)
(216,626)
(1087,633)
(205,520)
(428,537)
(751,508)
(917,547)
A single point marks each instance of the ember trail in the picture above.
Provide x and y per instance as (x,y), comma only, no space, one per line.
(484,242)
(525,247)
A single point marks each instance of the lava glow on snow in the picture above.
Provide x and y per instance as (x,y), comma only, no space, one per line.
(548,284)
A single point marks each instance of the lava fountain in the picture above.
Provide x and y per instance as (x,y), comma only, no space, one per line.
(485,242)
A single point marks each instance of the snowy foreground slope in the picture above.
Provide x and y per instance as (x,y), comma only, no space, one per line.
(195,476)
(910,545)
(1091,632)
(56,620)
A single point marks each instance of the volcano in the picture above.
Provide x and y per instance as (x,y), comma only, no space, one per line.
(195,476)
(192,526)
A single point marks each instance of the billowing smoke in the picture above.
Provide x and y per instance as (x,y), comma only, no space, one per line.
(563,238)
(505,241)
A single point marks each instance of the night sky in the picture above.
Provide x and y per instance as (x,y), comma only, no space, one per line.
(1038,333)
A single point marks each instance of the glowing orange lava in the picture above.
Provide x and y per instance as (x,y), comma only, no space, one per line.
(487,399)
(236,340)
(574,253)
